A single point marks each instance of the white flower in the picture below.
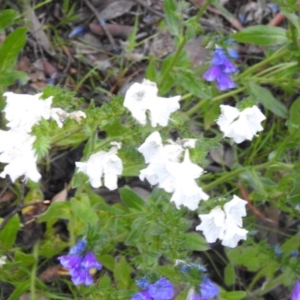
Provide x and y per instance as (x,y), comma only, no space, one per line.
(225,224)
(151,147)
(165,169)
(23,111)
(17,151)
(141,97)
(2,260)
(161,108)
(103,164)
(59,116)
(157,156)
(77,115)
(187,192)
(233,234)
(213,224)
(137,98)
(236,209)
(240,125)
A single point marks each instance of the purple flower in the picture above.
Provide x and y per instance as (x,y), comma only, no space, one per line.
(220,69)
(296,292)
(208,289)
(144,295)
(80,263)
(160,290)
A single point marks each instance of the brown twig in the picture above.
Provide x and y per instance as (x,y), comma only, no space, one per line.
(102,23)
(150,9)
(244,195)
(18,209)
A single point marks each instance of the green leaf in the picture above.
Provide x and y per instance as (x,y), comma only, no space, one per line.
(293,18)
(264,96)
(7,18)
(11,47)
(9,233)
(132,200)
(194,86)
(122,272)
(83,211)
(9,77)
(107,261)
(236,295)
(195,242)
(261,35)
(57,210)
(172,20)
(229,275)
(295,112)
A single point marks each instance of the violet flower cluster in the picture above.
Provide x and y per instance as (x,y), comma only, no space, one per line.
(162,289)
(79,262)
(296,292)
(221,68)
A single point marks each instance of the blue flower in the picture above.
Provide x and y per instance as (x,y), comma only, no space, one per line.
(79,30)
(294,253)
(160,290)
(208,289)
(296,291)
(142,283)
(79,263)
(277,251)
(220,69)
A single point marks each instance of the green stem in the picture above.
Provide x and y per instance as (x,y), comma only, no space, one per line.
(236,172)
(202,9)
(220,97)
(173,61)
(33,271)
(280,52)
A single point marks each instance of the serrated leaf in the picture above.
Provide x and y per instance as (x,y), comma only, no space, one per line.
(7,18)
(131,199)
(261,35)
(264,96)
(11,47)
(172,20)
(195,242)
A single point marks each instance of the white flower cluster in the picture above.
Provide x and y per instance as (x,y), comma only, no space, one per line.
(166,170)
(240,125)
(103,164)
(142,97)
(225,224)
(22,112)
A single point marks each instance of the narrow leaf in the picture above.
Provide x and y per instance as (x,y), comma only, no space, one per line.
(261,35)
(264,96)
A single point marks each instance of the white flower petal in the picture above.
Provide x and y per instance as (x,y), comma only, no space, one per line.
(161,109)
(137,99)
(213,224)
(151,147)
(233,234)
(235,210)
(23,111)
(240,126)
